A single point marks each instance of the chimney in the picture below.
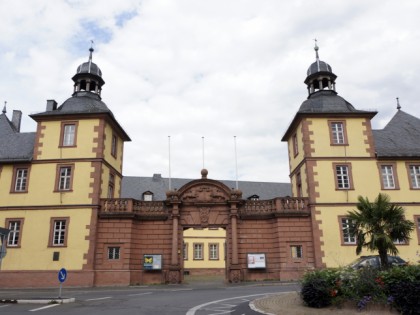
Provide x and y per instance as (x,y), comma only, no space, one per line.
(157,177)
(51,105)
(16,119)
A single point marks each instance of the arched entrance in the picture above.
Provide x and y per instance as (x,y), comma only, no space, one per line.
(204,204)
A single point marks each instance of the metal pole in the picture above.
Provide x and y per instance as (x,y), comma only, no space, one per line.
(169,150)
(236,163)
(202,139)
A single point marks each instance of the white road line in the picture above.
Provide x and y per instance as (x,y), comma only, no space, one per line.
(97,299)
(5,305)
(140,294)
(192,311)
(175,290)
(43,308)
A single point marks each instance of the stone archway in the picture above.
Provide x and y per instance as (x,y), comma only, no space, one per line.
(204,203)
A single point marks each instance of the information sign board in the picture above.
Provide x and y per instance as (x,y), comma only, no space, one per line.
(152,262)
(256,261)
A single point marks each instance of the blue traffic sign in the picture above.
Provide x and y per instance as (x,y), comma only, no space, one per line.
(62,275)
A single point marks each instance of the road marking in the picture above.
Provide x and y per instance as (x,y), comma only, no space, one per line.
(4,305)
(97,299)
(43,308)
(140,294)
(175,290)
(192,311)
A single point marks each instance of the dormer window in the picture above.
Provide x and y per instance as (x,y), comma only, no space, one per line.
(254,197)
(148,196)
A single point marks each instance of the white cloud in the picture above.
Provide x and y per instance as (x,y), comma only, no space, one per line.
(216,69)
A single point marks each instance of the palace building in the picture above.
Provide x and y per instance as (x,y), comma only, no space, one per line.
(65,203)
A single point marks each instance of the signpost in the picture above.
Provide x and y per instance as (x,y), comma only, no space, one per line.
(62,276)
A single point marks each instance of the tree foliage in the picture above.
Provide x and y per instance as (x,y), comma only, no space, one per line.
(378,225)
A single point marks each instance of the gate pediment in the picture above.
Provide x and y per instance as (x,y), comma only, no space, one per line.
(204,191)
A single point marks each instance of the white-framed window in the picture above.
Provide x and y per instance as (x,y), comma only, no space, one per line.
(59,232)
(337,132)
(387,173)
(296,251)
(198,251)
(415,176)
(64,180)
(148,196)
(21,179)
(347,235)
(213,251)
(15,231)
(114,253)
(69,132)
(342,176)
(399,242)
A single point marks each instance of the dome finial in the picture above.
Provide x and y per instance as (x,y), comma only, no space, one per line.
(4,108)
(398,103)
(91,50)
(316,49)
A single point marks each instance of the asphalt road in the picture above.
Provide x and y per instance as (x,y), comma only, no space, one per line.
(186,299)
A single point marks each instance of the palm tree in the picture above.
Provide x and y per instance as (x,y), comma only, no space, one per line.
(378,225)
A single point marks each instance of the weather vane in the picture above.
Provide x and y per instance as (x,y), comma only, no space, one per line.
(398,103)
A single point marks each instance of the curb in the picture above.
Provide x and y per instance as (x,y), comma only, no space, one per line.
(39,301)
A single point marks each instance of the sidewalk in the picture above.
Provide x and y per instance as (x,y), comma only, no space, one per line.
(291,304)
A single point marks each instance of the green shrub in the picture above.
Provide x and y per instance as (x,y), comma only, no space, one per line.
(405,297)
(402,285)
(318,287)
(397,286)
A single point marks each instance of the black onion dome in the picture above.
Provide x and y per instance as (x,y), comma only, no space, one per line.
(89,67)
(319,66)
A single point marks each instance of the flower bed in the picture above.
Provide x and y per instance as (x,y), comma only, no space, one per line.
(397,288)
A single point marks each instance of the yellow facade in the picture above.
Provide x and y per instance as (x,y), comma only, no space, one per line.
(204,238)
(35,253)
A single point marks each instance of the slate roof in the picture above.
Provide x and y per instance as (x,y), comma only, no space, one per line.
(14,146)
(327,101)
(134,187)
(399,138)
(81,102)
(321,103)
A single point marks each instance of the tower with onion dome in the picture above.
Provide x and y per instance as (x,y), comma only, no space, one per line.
(331,150)
(76,159)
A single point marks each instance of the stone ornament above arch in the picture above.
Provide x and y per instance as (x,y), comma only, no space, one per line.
(204,193)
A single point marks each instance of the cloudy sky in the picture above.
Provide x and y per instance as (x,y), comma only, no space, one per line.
(214,69)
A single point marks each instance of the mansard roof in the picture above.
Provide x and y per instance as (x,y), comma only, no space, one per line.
(82,102)
(399,138)
(14,146)
(135,186)
(327,102)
